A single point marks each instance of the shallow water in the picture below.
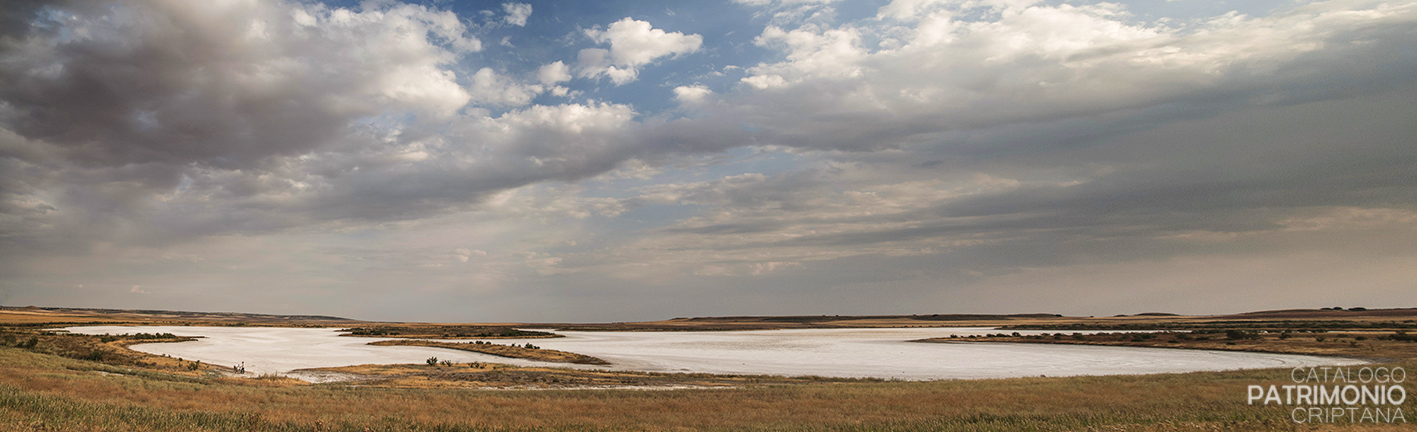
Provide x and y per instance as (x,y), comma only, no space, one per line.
(877,353)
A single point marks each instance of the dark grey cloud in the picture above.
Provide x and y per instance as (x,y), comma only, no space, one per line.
(1322,178)
(106,106)
(16,16)
(135,82)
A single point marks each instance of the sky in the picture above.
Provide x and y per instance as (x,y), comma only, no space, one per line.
(570,161)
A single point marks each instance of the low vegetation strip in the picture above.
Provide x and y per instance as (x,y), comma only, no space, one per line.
(528,351)
(1251,325)
(414,331)
(111,349)
(478,375)
(1396,345)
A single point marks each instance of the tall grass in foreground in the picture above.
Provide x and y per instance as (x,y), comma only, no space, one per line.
(42,392)
(29,411)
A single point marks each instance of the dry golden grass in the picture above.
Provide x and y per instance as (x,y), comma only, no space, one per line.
(33,386)
(41,389)
(42,317)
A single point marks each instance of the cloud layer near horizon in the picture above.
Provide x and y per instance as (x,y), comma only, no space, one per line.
(401,161)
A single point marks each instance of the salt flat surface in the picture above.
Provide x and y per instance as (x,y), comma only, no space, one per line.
(878,353)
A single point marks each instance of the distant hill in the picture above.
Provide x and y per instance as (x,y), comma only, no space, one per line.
(1327,313)
(150,314)
(40,315)
(821,318)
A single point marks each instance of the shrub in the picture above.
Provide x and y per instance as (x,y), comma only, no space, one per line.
(1240,334)
(432,361)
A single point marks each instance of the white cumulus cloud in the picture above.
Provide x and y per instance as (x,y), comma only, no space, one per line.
(553,73)
(517,13)
(691,94)
(633,44)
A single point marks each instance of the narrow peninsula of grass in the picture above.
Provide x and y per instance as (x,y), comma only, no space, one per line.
(479,375)
(528,352)
(425,331)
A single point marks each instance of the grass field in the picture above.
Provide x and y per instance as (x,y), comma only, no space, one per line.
(45,392)
(49,385)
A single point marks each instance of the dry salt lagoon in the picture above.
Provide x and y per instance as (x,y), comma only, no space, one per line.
(878,353)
